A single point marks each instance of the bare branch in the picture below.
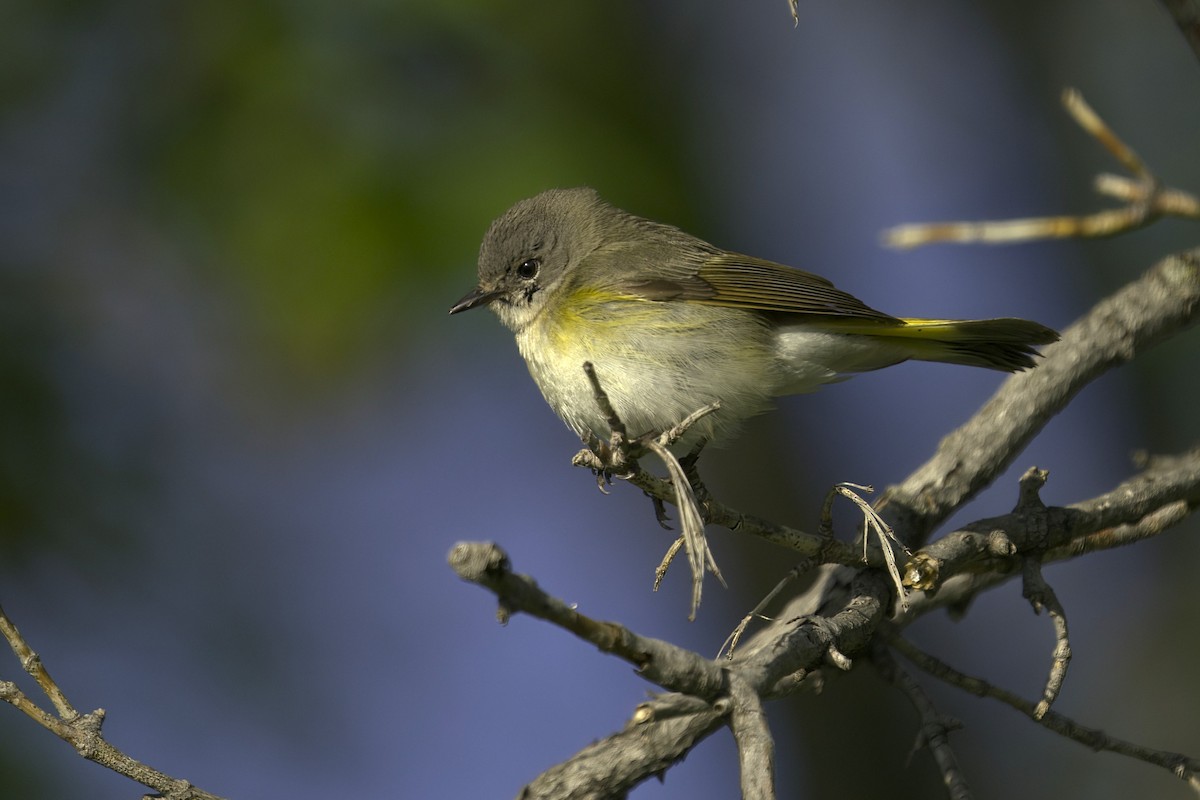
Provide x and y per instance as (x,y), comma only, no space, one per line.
(1146,201)
(788,655)
(935,728)
(795,572)
(776,659)
(801,647)
(660,662)
(1183,767)
(1145,505)
(31,662)
(82,731)
(836,619)
(1040,595)
(756,749)
(660,733)
(1161,303)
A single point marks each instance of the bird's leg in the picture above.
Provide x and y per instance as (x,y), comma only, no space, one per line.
(660,511)
(618,456)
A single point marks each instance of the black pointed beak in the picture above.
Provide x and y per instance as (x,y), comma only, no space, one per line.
(474,299)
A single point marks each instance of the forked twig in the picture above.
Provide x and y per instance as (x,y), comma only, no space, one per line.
(935,728)
(82,731)
(1144,196)
(1181,766)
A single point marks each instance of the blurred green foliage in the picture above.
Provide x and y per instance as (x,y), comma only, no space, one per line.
(316,176)
(328,165)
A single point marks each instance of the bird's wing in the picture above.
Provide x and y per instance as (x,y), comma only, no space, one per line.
(737,281)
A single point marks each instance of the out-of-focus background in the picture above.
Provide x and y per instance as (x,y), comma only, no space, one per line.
(239,433)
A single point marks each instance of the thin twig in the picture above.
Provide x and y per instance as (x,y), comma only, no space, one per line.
(1146,200)
(31,662)
(1090,121)
(1161,303)
(731,642)
(663,663)
(661,732)
(82,731)
(1144,505)
(794,8)
(616,427)
(1041,595)
(823,549)
(1183,767)
(935,728)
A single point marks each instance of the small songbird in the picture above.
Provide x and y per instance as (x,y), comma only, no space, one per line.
(672,323)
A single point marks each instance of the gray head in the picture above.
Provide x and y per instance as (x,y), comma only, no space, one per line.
(526,253)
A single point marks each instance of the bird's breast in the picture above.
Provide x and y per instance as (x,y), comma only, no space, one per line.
(657,362)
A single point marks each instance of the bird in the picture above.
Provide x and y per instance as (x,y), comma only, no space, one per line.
(671,323)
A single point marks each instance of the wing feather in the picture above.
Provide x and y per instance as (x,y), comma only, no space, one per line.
(738,281)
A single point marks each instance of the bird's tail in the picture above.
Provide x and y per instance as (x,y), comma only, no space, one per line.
(1003,344)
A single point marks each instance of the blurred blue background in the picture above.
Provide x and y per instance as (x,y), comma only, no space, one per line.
(240,433)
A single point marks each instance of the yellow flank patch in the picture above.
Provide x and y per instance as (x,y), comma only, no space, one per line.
(587,313)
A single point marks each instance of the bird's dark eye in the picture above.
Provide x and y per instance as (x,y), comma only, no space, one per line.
(528,268)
